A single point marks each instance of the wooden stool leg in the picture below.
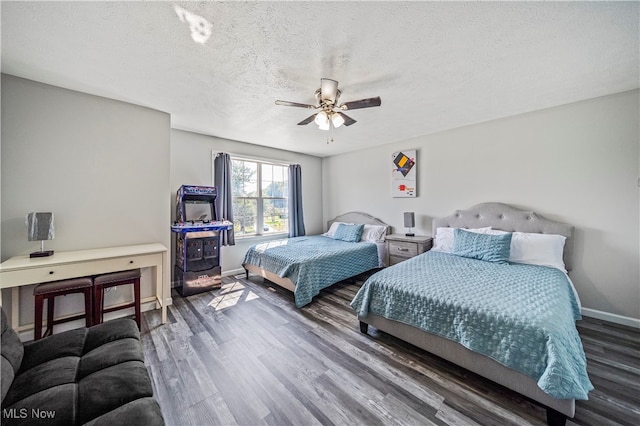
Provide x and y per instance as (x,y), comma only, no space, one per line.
(37,322)
(88,306)
(97,304)
(94,299)
(136,299)
(50,311)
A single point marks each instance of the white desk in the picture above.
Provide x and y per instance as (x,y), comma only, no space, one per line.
(22,270)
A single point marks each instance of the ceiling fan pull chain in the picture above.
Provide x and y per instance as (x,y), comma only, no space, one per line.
(331,127)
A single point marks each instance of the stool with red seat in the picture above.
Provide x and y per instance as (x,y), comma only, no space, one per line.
(50,291)
(104,281)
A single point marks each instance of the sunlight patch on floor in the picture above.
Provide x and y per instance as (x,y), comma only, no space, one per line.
(231,294)
(231,287)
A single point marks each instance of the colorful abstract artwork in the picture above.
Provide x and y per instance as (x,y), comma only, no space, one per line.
(403,174)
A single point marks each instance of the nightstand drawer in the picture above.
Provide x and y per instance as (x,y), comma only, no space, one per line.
(396,259)
(402,249)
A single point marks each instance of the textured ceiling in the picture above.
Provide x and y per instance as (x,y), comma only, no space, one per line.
(436,65)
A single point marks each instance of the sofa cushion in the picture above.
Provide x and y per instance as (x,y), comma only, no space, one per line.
(143,411)
(12,352)
(69,343)
(53,406)
(112,387)
(110,331)
(44,377)
(110,354)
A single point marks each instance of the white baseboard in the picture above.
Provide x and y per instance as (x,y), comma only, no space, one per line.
(25,332)
(234,272)
(606,316)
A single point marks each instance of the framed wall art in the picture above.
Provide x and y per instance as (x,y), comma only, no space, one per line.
(403,174)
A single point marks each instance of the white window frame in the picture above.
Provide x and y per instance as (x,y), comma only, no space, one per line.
(260,200)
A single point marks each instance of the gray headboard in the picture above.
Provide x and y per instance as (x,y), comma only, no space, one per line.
(508,218)
(358,217)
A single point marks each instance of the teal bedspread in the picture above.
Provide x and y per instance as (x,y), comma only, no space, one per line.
(313,262)
(522,316)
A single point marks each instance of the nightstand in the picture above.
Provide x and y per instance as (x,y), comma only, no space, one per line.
(401,247)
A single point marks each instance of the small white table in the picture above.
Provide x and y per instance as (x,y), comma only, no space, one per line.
(23,270)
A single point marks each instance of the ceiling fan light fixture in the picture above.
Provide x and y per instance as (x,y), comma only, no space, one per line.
(330,113)
(324,125)
(322,120)
(321,117)
(337,120)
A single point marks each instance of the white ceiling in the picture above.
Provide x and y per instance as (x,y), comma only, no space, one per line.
(436,65)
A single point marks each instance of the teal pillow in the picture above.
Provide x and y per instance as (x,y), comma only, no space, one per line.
(490,248)
(349,233)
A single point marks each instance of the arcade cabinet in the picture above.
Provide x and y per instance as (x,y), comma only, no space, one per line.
(197,228)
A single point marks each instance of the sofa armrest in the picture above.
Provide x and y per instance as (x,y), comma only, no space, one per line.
(12,353)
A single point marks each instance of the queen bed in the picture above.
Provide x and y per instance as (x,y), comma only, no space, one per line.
(353,244)
(492,296)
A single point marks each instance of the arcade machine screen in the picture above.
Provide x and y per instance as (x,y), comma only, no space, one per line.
(198,210)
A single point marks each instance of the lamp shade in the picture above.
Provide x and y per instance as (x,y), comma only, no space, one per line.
(321,118)
(40,226)
(324,126)
(337,120)
(409,220)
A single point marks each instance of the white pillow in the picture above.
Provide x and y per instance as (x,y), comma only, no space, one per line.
(333,228)
(373,233)
(538,249)
(444,238)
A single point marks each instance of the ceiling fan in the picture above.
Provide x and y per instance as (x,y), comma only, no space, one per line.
(330,113)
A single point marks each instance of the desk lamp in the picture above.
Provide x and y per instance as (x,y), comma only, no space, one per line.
(40,228)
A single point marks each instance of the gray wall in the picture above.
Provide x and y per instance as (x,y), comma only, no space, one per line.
(109,171)
(191,163)
(101,166)
(577,163)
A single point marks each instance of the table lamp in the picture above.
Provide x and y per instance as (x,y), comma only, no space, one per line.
(409,222)
(40,228)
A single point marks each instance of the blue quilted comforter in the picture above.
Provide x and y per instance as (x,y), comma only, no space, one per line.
(313,262)
(522,316)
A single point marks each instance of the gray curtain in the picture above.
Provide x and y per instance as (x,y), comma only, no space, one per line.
(296,219)
(224,202)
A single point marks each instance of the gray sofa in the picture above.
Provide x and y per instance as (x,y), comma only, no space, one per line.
(90,376)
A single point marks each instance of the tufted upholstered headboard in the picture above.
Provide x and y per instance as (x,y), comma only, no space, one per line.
(508,218)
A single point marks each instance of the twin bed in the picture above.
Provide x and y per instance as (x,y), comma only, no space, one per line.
(493,297)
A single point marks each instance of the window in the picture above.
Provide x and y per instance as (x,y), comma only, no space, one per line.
(260,193)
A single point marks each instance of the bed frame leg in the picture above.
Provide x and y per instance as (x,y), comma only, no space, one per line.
(555,418)
(246,272)
(364,327)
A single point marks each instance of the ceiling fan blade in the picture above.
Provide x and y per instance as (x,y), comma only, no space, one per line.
(295,104)
(328,90)
(348,121)
(307,120)
(362,103)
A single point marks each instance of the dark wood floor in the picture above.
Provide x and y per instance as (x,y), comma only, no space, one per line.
(245,355)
